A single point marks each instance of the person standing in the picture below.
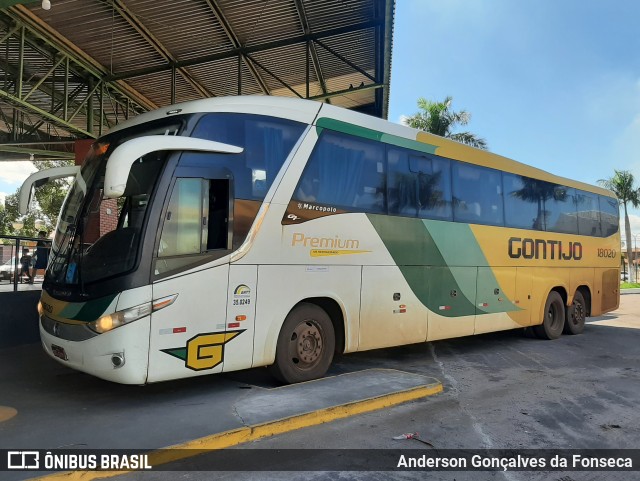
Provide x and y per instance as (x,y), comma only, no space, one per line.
(25,265)
(42,253)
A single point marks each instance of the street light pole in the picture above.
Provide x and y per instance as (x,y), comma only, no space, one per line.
(635,256)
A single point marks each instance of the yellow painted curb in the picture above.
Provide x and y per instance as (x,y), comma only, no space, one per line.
(260,431)
(7,413)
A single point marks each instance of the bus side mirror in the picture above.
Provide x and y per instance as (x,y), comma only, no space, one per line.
(42,177)
(123,157)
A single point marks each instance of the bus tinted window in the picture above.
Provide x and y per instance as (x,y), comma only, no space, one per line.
(402,184)
(588,214)
(347,172)
(609,213)
(267,142)
(524,201)
(419,185)
(181,232)
(477,194)
(561,211)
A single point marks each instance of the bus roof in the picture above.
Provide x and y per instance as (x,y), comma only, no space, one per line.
(355,123)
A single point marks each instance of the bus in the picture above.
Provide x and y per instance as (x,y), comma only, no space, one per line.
(231,233)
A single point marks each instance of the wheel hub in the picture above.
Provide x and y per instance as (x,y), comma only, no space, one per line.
(578,312)
(308,343)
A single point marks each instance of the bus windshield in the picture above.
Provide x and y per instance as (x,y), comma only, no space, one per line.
(96,237)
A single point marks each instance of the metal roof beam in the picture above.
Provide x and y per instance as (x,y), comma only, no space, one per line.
(30,108)
(14,72)
(302,14)
(345,60)
(28,151)
(133,20)
(274,76)
(53,38)
(388,40)
(252,49)
(339,93)
(224,23)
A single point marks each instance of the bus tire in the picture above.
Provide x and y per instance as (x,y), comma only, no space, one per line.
(553,322)
(576,315)
(305,345)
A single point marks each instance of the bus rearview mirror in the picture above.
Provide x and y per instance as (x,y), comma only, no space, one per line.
(123,157)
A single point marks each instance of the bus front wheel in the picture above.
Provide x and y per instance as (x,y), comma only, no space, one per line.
(553,322)
(576,315)
(305,345)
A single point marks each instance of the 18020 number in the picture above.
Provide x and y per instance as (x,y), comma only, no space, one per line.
(610,253)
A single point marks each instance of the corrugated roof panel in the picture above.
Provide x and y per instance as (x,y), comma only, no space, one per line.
(288,64)
(156,87)
(259,21)
(186,28)
(221,77)
(99,30)
(327,14)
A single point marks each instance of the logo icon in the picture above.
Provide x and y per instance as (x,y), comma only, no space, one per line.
(242,291)
(204,351)
(23,460)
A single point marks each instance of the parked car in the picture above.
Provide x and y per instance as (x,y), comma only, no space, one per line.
(6,270)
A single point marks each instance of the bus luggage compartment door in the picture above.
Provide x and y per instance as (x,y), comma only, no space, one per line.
(188,338)
(391,314)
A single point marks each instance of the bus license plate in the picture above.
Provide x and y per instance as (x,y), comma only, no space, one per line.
(59,352)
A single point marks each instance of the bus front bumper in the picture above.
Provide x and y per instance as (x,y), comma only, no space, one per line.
(120,355)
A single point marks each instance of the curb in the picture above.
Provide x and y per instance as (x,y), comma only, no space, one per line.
(255,432)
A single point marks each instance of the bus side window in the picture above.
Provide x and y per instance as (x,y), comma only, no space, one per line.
(345,171)
(181,229)
(609,212)
(477,194)
(217,220)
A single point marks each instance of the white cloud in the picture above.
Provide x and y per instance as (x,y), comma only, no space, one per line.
(3,196)
(16,172)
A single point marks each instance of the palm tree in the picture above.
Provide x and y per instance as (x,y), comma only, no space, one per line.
(438,118)
(622,184)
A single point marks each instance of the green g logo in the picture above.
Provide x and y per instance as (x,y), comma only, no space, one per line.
(204,351)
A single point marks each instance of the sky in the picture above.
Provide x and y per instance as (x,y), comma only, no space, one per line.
(554,84)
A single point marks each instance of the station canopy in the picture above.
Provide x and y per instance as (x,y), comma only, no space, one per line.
(81,67)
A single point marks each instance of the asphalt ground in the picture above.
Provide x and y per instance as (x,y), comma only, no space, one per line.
(501,390)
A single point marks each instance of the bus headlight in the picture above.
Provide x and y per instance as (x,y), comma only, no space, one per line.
(120,318)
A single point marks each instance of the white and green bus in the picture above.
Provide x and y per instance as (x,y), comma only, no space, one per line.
(231,233)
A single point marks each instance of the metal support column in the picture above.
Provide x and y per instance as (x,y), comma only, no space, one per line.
(91,88)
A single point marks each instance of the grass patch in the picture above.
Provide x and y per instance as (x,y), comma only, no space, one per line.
(629,285)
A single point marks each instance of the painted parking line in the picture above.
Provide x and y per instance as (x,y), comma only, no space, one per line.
(7,413)
(267,429)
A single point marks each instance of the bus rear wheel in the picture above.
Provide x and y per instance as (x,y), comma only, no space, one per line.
(553,322)
(305,345)
(576,315)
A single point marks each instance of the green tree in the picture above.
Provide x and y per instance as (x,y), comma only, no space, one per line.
(12,213)
(5,222)
(50,196)
(438,118)
(622,184)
